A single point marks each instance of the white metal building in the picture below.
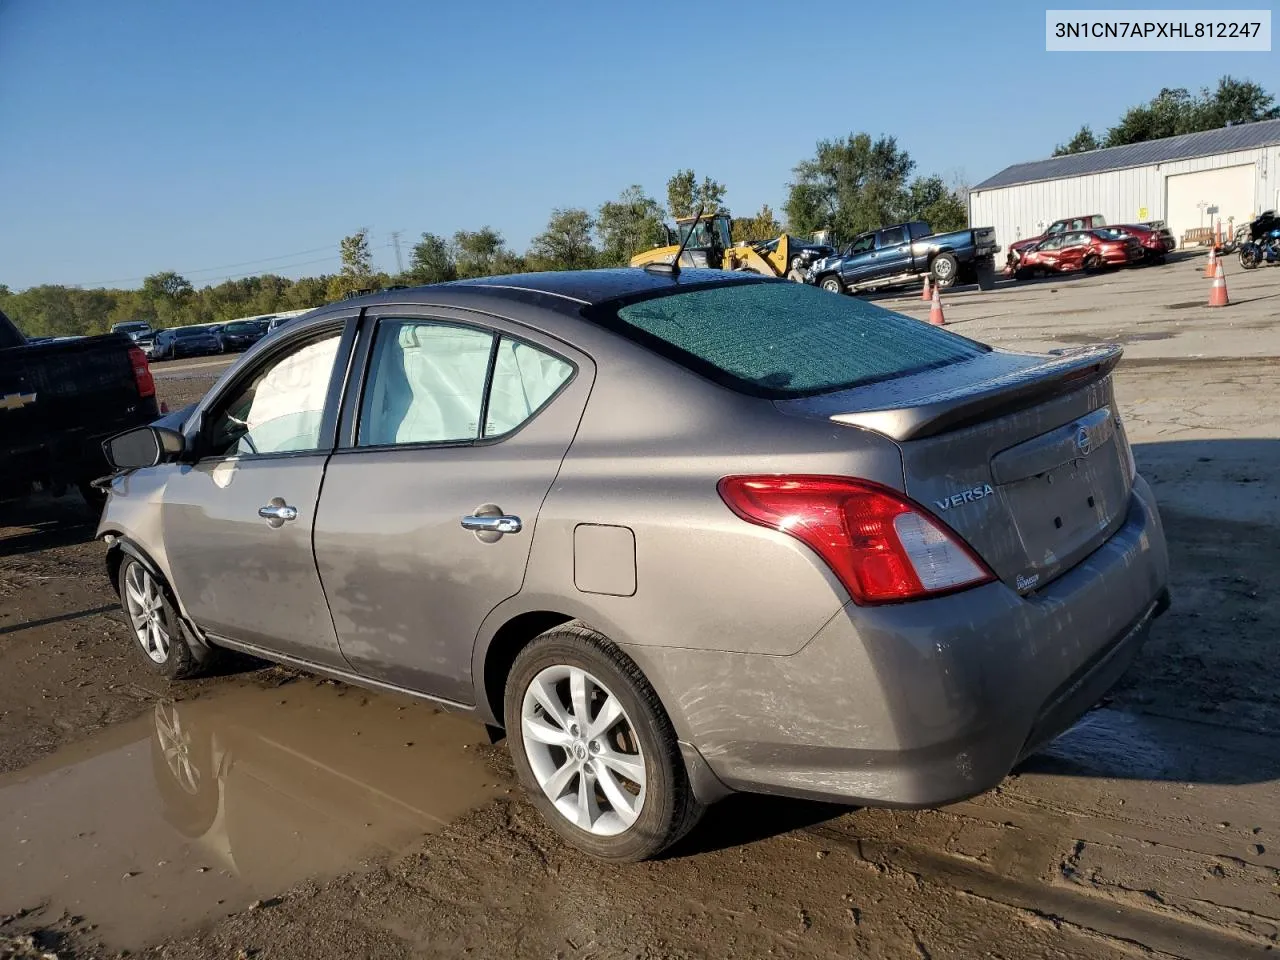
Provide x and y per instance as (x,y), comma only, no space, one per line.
(1189,181)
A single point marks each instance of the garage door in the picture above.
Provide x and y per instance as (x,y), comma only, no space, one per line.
(1229,190)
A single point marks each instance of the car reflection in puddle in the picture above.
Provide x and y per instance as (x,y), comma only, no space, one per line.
(203,806)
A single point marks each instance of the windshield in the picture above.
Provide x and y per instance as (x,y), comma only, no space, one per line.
(784,340)
(242,326)
(136,326)
(191,332)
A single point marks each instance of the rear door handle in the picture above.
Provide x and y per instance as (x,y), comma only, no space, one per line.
(502,523)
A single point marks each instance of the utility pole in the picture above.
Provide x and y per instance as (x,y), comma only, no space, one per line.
(395,242)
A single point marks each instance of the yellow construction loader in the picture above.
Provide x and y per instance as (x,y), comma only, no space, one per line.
(707,241)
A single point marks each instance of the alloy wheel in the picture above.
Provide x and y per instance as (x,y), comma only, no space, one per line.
(145,602)
(583,750)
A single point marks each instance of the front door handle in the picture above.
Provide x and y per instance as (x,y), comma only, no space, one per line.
(501,523)
(277,512)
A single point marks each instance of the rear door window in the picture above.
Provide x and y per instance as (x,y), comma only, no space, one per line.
(783,340)
(432,382)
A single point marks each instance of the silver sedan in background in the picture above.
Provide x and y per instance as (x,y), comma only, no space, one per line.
(679,534)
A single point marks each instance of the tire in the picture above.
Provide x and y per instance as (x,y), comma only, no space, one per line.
(544,674)
(1248,258)
(148,604)
(945,270)
(1093,263)
(831,283)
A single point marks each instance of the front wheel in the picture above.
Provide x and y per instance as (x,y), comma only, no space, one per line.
(1093,263)
(156,627)
(945,269)
(593,746)
(1248,257)
(831,283)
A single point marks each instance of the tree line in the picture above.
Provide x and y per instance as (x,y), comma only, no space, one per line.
(1175,111)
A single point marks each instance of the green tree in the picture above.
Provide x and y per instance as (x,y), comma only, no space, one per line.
(852,185)
(763,226)
(1176,110)
(483,253)
(1236,101)
(305,293)
(1082,141)
(929,199)
(167,284)
(627,226)
(685,194)
(566,242)
(357,266)
(168,294)
(432,261)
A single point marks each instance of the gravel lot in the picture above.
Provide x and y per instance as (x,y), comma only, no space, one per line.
(320,821)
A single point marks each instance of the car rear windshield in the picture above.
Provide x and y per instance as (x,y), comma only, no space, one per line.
(191,332)
(784,340)
(242,326)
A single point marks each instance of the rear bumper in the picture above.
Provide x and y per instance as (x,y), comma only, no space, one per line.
(926,703)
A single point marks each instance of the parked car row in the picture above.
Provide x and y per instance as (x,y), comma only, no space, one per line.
(194,340)
(1155,241)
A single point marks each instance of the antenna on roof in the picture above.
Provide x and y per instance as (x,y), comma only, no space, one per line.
(673,268)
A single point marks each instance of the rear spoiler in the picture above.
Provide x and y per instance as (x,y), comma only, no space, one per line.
(1009,389)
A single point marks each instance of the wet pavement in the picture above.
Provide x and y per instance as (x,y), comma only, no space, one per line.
(202,807)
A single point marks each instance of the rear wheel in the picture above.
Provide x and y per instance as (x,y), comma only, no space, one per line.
(593,746)
(831,283)
(1248,257)
(1093,263)
(945,269)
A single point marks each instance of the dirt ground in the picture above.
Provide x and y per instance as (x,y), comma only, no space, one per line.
(302,818)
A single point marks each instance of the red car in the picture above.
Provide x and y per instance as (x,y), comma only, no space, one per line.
(1080,250)
(1154,237)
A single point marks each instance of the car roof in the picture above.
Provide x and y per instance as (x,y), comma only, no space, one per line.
(575,288)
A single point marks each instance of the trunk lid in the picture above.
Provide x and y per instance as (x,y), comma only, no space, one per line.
(1023,456)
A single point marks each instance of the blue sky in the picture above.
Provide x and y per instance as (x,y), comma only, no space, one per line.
(207,137)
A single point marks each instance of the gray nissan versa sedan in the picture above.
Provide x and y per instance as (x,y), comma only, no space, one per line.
(678,535)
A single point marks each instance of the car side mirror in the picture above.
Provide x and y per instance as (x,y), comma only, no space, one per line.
(143,447)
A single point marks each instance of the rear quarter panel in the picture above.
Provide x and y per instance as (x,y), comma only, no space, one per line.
(653,443)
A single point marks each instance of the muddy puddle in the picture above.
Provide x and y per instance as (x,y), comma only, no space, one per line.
(202,807)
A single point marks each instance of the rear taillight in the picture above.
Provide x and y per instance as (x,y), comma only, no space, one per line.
(883,547)
(142,373)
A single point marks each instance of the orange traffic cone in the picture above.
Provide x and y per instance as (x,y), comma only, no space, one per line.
(935,311)
(1218,292)
(924,292)
(1209,268)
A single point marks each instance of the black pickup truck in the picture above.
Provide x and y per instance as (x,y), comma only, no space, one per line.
(59,399)
(904,253)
